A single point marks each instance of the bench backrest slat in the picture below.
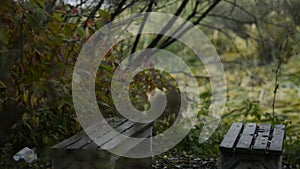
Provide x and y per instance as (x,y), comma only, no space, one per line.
(231,136)
(263,134)
(277,139)
(247,136)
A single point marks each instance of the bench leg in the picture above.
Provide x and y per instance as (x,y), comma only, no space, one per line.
(137,163)
(247,161)
(133,163)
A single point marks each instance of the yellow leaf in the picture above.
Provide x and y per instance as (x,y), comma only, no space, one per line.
(45,139)
(24,117)
(2,85)
(33,101)
(36,121)
(25,96)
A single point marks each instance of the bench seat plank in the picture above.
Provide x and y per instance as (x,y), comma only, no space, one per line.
(246,138)
(78,136)
(277,139)
(80,151)
(83,138)
(231,136)
(258,146)
(261,141)
(111,134)
(97,134)
(122,145)
(121,140)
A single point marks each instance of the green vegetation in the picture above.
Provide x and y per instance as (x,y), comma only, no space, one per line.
(40,42)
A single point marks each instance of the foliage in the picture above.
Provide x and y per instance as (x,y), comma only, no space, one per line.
(39,46)
(37,52)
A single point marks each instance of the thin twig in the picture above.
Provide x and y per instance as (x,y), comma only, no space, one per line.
(81,3)
(93,13)
(168,25)
(211,7)
(138,36)
(182,25)
(21,39)
(118,10)
(276,86)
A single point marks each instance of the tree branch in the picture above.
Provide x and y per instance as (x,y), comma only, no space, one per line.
(276,86)
(118,10)
(93,13)
(210,8)
(188,18)
(137,39)
(168,25)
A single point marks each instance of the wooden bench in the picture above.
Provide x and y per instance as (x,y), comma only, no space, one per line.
(80,152)
(252,146)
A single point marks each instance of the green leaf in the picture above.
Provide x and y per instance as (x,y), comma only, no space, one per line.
(2,85)
(33,22)
(3,35)
(68,29)
(107,67)
(100,23)
(104,15)
(58,17)
(41,14)
(80,31)
(5,4)
(25,96)
(28,6)
(46,140)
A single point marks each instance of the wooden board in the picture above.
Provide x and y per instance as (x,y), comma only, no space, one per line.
(120,143)
(79,151)
(79,135)
(231,136)
(105,135)
(246,138)
(262,138)
(102,139)
(276,144)
(258,146)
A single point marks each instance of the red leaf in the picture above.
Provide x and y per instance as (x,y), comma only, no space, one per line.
(90,21)
(22,66)
(34,60)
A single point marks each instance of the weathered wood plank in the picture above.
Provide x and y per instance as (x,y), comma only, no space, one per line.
(76,137)
(81,142)
(261,141)
(80,151)
(255,149)
(231,136)
(121,140)
(101,139)
(95,132)
(246,138)
(244,142)
(277,139)
(249,129)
